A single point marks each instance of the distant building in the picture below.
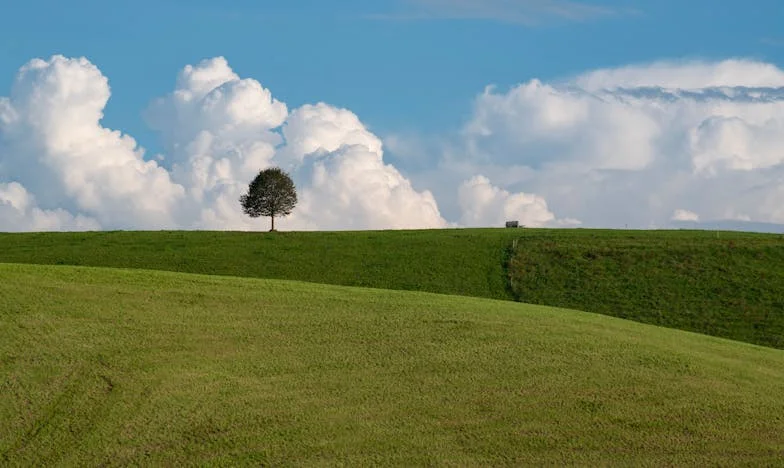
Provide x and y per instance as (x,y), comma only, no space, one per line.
(512,224)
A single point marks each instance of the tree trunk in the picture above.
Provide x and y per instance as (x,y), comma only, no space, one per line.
(273,223)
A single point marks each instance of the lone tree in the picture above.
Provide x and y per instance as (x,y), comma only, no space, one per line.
(272,193)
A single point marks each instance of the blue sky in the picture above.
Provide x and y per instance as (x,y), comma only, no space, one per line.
(396,74)
(603,113)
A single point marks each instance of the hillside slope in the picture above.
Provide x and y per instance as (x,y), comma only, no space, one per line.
(115,367)
(725,284)
(730,286)
(467,262)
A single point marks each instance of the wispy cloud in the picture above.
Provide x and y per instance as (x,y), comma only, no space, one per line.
(773,41)
(523,12)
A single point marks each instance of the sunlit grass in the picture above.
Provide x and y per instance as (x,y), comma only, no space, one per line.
(101,366)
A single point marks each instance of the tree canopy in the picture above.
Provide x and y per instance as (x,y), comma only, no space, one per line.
(271,193)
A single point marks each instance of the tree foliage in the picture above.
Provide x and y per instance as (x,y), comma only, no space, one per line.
(271,193)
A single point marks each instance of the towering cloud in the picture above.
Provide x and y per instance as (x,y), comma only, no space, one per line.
(218,131)
(322,128)
(626,146)
(350,186)
(52,142)
(632,145)
(221,130)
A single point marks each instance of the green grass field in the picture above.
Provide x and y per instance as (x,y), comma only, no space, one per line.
(119,367)
(730,286)
(466,262)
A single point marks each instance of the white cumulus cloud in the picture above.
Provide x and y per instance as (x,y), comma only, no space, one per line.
(323,128)
(19,212)
(629,146)
(614,147)
(220,130)
(352,188)
(61,169)
(347,184)
(52,141)
(484,204)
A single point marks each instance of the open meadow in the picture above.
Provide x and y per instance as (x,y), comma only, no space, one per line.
(120,367)
(727,284)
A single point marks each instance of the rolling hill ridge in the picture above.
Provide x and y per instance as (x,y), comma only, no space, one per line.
(117,367)
(726,284)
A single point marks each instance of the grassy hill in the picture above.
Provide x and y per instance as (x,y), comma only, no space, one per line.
(726,284)
(116,367)
(730,286)
(453,261)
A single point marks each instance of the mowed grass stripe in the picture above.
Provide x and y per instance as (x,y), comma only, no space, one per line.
(116,367)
